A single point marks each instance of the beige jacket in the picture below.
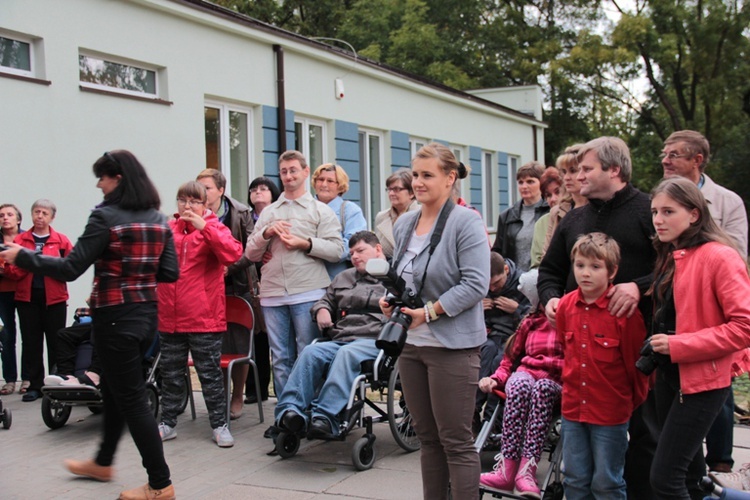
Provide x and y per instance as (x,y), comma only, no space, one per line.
(727,209)
(384,227)
(296,271)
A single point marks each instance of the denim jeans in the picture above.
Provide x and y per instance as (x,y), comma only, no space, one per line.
(290,329)
(685,420)
(720,438)
(594,458)
(8,337)
(328,367)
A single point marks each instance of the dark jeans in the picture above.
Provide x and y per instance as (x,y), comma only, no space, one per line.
(123,335)
(490,353)
(68,341)
(720,438)
(685,420)
(39,322)
(8,337)
(263,360)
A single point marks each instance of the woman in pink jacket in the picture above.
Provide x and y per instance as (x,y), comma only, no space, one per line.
(701,319)
(192,311)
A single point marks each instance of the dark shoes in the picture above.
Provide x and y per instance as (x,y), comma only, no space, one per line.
(253,399)
(271,432)
(31,395)
(292,421)
(320,428)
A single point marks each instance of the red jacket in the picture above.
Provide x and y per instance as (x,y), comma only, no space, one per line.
(711,291)
(195,303)
(57,245)
(601,384)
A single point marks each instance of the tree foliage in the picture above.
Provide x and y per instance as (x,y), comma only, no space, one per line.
(638,69)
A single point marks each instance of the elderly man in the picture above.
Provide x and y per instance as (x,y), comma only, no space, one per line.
(686,154)
(619,210)
(324,372)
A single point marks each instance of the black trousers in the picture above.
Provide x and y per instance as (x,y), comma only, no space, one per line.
(263,360)
(122,335)
(685,420)
(39,322)
(68,341)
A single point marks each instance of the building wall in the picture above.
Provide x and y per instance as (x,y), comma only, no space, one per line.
(53,132)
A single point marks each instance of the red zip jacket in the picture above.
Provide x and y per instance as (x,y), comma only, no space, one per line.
(57,245)
(711,291)
(195,303)
(601,384)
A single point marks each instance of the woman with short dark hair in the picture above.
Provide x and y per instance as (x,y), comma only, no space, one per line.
(130,245)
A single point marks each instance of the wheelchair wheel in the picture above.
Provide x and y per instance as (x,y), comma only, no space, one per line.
(54,413)
(554,491)
(96,410)
(363,454)
(287,444)
(399,418)
(152,398)
(7,418)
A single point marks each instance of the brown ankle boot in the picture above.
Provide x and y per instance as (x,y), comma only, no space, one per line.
(89,468)
(146,492)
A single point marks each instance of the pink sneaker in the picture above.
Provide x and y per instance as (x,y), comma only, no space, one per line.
(526,479)
(502,477)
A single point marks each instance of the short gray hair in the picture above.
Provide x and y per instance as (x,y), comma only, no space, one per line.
(44,203)
(611,152)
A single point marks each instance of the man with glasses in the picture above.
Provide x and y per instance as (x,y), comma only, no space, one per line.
(686,154)
(301,234)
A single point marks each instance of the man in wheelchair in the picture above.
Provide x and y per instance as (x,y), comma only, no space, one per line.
(69,339)
(349,315)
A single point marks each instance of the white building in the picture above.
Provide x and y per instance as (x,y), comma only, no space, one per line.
(185,84)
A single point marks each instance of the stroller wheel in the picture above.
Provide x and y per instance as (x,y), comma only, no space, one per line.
(152,398)
(54,413)
(287,444)
(7,418)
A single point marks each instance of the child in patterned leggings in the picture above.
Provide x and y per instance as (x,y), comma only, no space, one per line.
(530,374)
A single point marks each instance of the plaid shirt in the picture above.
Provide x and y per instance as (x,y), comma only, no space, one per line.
(126,271)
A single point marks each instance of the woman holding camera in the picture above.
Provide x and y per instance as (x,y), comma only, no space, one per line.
(701,319)
(442,254)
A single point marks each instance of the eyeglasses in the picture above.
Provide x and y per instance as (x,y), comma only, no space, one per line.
(259,189)
(326,181)
(394,189)
(193,203)
(673,156)
(291,171)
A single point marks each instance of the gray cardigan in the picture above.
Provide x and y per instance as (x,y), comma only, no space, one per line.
(458,275)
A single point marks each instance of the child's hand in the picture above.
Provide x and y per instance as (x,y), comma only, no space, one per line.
(487,384)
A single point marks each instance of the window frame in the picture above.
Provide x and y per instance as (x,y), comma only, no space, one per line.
(415,144)
(31,42)
(461,154)
(513,166)
(366,183)
(305,123)
(108,58)
(490,189)
(225,161)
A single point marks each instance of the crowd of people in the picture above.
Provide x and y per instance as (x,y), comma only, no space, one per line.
(624,309)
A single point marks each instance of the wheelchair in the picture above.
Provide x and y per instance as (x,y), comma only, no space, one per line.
(58,400)
(381,375)
(6,416)
(551,485)
(713,490)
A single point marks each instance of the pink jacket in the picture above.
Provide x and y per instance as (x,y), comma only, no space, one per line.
(195,303)
(711,291)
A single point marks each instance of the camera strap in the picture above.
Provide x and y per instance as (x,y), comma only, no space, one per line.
(437,235)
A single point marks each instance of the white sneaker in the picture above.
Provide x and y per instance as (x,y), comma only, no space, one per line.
(737,480)
(223,437)
(166,432)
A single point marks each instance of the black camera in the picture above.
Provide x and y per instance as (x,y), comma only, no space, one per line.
(650,360)
(392,336)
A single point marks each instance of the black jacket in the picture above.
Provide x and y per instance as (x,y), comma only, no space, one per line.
(508,225)
(242,276)
(500,322)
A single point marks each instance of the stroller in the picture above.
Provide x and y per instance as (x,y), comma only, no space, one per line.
(58,400)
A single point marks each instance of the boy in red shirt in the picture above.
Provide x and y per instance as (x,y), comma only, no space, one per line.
(601,385)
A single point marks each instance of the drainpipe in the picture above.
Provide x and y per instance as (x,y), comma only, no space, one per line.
(281,108)
(536,152)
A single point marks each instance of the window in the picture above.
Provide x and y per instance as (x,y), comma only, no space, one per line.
(228,145)
(16,56)
(512,184)
(309,139)
(489,189)
(464,184)
(118,76)
(415,144)
(371,173)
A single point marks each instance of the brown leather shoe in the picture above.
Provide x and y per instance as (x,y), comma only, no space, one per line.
(146,492)
(90,469)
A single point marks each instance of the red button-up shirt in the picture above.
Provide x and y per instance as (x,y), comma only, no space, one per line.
(601,384)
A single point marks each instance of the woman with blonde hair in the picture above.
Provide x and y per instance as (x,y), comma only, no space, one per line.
(331,182)
(442,254)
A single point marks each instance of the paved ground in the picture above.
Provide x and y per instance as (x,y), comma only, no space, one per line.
(32,458)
